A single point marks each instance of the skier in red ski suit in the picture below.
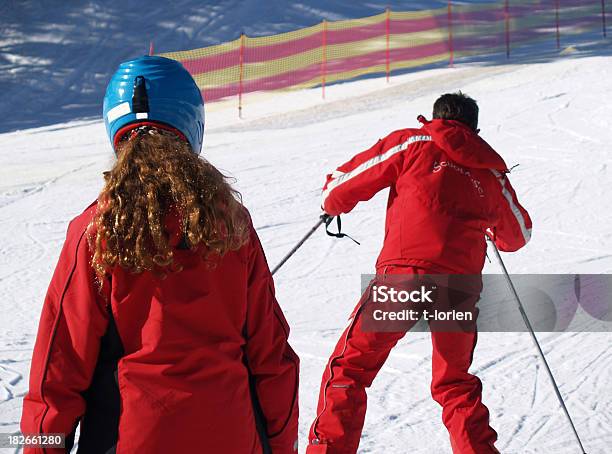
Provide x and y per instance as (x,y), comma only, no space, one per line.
(160,332)
(448,188)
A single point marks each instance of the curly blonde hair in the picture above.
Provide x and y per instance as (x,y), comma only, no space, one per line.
(157,174)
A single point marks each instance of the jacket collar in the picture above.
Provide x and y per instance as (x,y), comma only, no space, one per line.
(462,144)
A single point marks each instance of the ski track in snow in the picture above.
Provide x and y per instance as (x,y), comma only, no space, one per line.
(552,118)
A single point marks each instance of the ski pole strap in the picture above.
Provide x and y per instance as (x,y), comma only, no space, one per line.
(328,220)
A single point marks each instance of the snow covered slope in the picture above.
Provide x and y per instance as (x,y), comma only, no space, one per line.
(553,118)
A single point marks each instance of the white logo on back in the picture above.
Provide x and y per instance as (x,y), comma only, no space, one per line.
(462,170)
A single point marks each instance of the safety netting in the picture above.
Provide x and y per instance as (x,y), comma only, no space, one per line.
(333,51)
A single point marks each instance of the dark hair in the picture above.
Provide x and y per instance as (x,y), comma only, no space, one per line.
(457,106)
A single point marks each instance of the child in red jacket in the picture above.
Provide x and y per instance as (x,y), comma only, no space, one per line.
(448,188)
(160,331)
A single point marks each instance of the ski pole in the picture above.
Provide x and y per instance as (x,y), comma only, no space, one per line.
(537,344)
(322,220)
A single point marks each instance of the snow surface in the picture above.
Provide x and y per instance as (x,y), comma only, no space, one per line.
(552,117)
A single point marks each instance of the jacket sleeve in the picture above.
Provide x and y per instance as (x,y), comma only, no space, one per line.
(367,173)
(72,322)
(513,228)
(273,365)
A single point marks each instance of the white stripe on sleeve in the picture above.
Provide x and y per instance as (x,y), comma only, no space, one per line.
(515,209)
(344,177)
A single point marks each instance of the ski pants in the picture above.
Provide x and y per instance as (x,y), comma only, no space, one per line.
(357,358)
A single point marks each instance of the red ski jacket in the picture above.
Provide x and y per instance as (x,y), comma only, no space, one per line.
(197,362)
(447,188)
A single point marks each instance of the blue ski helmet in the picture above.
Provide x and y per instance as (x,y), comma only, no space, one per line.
(154,90)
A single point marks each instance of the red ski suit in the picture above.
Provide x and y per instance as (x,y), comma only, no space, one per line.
(197,362)
(447,188)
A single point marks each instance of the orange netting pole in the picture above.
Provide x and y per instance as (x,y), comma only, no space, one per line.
(151,47)
(557,20)
(324,58)
(241,69)
(507,25)
(450,33)
(388,30)
(603,18)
